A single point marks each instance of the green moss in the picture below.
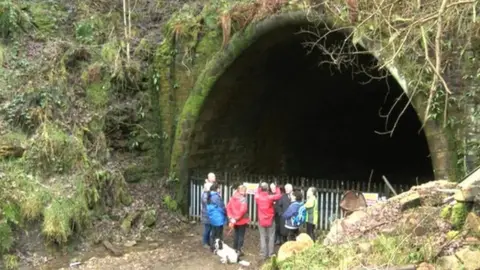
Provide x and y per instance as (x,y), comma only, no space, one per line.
(10,262)
(13,138)
(170,203)
(452,234)
(459,214)
(446,212)
(47,16)
(149,218)
(98,94)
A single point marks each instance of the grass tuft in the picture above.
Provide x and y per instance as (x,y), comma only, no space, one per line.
(33,204)
(55,151)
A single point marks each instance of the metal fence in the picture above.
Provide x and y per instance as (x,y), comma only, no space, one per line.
(329,193)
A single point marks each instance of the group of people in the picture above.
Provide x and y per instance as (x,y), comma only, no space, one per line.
(281,212)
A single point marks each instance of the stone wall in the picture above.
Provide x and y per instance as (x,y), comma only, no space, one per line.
(190,108)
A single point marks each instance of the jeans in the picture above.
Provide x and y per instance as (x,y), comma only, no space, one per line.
(239,236)
(207,229)
(217,233)
(311,230)
(267,235)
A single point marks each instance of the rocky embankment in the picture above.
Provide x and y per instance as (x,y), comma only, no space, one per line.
(441,216)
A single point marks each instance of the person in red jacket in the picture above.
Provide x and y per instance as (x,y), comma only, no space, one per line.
(266,215)
(237,212)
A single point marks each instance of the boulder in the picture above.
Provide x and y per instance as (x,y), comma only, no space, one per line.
(448,263)
(290,248)
(364,248)
(472,223)
(335,234)
(425,266)
(149,218)
(411,200)
(129,221)
(469,188)
(469,258)
(354,218)
(112,249)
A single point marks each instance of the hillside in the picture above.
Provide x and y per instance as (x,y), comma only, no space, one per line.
(77,117)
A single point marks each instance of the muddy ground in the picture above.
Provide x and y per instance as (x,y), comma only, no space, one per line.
(176,251)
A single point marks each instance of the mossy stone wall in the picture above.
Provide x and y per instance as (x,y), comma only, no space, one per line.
(196,69)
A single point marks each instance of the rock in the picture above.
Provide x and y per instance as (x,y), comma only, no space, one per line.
(420,230)
(335,234)
(109,246)
(469,258)
(354,218)
(460,196)
(130,243)
(472,223)
(470,240)
(448,263)
(364,248)
(411,200)
(128,221)
(126,199)
(425,266)
(469,188)
(149,218)
(290,248)
(388,230)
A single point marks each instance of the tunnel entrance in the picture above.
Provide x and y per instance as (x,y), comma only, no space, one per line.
(276,110)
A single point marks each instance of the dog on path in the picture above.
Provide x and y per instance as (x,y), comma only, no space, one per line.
(227,254)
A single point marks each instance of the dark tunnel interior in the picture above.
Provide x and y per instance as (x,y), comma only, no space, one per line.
(276,110)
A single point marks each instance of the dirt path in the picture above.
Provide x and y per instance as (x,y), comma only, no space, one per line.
(180,252)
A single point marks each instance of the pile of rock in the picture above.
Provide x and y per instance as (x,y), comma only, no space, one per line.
(444,212)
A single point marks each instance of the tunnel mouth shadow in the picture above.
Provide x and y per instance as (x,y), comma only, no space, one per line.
(283,108)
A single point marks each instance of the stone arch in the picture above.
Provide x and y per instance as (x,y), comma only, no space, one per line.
(437,139)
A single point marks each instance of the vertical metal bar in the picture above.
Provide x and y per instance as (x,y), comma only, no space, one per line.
(320,205)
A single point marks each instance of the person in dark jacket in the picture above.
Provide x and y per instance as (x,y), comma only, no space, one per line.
(281,206)
(216,214)
(278,220)
(292,211)
(205,220)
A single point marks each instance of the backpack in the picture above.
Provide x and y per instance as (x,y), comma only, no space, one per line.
(301,216)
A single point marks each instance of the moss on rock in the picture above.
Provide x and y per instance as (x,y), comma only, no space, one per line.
(446,212)
(47,16)
(149,218)
(459,215)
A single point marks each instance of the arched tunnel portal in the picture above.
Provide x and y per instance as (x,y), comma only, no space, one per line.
(273,109)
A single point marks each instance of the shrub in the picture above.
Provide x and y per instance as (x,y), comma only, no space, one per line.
(13,19)
(54,151)
(63,217)
(6,236)
(10,262)
(33,204)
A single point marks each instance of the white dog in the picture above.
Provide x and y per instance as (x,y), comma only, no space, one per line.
(226,253)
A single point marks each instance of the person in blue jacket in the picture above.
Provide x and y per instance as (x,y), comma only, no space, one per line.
(217,214)
(292,211)
(205,220)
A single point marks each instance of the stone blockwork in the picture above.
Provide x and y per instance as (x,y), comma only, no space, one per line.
(209,133)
